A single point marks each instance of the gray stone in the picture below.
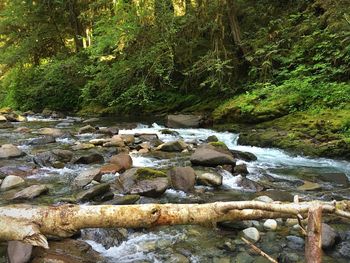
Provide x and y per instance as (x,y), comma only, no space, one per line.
(246,156)
(174,146)
(93,192)
(182,178)
(184,121)
(91,120)
(42,140)
(270,224)
(264,198)
(87,129)
(294,242)
(19,252)
(209,179)
(209,156)
(150,188)
(10,151)
(252,234)
(31,192)
(329,236)
(11,181)
(87,177)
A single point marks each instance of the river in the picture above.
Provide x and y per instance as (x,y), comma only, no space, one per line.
(280,173)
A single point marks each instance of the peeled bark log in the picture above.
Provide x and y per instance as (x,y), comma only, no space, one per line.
(313,251)
(31,223)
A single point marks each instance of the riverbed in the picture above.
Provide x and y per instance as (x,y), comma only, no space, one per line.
(278,174)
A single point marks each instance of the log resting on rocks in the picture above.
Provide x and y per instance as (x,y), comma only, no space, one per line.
(31,224)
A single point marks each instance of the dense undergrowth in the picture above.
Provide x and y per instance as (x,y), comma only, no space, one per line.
(289,56)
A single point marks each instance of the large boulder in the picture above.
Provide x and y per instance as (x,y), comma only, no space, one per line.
(31,192)
(184,121)
(143,181)
(85,177)
(123,160)
(174,146)
(211,156)
(182,178)
(11,181)
(10,151)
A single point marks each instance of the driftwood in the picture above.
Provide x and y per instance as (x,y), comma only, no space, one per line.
(32,224)
(313,251)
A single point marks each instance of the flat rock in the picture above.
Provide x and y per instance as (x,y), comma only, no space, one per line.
(11,181)
(82,146)
(86,177)
(42,140)
(309,186)
(211,157)
(31,192)
(89,194)
(51,132)
(10,151)
(184,121)
(150,188)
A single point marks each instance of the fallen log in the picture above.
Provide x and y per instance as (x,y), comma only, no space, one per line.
(31,224)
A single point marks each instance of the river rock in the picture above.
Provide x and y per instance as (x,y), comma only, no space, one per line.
(18,252)
(123,200)
(23,129)
(270,224)
(252,234)
(248,184)
(90,159)
(18,170)
(295,243)
(97,142)
(150,188)
(67,250)
(278,195)
(241,169)
(182,178)
(344,249)
(51,132)
(174,146)
(91,120)
(309,186)
(329,236)
(108,238)
(11,181)
(82,146)
(209,156)
(13,117)
(123,160)
(169,132)
(336,178)
(184,121)
(92,192)
(131,182)
(64,156)
(31,192)
(209,179)
(212,138)
(10,151)
(246,156)
(147,137)
(2,118)
(264,198)
(42,140)
(110,169)
(87,129)
(85,177)
(128,138)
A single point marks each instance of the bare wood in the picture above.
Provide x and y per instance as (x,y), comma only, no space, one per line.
(300,217)
(65,220)
(259,251)
(313,251)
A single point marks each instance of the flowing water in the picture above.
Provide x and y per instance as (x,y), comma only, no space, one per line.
(281,173)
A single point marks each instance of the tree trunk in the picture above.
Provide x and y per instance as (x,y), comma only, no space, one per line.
(76,24)
(31,224)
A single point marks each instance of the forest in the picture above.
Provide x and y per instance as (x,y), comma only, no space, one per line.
(250,165)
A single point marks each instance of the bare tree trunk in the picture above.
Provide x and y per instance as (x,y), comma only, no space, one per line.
(31,224)
(76,24)
(313,251)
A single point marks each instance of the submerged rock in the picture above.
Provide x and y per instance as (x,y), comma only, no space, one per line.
(67,250)
(31,192)
(42,140)
(182,178)
(108,238)
(11,181)
(10,151)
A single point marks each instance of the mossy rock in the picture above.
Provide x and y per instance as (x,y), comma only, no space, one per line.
(149,173)
(219,144)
